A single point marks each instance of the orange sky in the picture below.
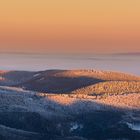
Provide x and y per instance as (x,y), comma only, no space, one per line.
(96,26)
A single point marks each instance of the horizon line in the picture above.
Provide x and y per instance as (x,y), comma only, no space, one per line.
(58,53)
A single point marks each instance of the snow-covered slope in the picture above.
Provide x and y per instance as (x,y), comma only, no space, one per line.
(61,81)
(29,111)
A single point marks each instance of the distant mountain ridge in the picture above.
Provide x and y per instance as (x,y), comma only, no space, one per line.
(129,53)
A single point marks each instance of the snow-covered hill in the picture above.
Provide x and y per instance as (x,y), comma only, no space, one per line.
(31,109)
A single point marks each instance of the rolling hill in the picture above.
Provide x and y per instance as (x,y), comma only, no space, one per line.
(61,81)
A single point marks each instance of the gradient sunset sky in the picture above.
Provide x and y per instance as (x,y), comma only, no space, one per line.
(70,26)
